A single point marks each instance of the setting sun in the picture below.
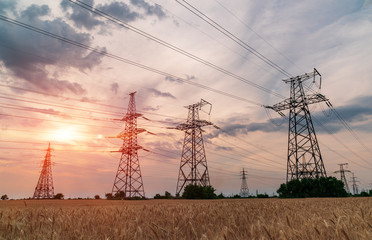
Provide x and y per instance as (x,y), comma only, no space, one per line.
(65,134)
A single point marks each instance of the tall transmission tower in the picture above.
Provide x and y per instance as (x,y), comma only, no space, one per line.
(128,177)
(342,174)
(355,186)
(193,167)
(244,191)
(44,187)
(304,158)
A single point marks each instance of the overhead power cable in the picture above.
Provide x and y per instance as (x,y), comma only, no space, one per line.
(230,35)
(170,46)
(258,35)
(106,54)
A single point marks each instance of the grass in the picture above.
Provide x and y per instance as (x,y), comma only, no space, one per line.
(337,218)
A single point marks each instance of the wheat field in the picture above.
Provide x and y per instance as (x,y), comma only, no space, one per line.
(341,218)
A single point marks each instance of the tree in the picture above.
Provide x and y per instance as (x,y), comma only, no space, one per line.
(59,196)
(167,195)
(109,196)
(312,187)
(364,194)
(199,192)
(157,196)
(97,197)
(119,195)
(4,197)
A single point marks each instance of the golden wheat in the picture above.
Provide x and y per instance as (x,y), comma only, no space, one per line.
(318,218)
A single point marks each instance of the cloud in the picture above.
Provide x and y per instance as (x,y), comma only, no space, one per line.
(149,108)
(48,111)
(158,93)
(150,9)
(358,114)
(171,79)
(224,148)
(37,59)
(34,11)
(119,10)
(7,5)
(82,17)
(115,87)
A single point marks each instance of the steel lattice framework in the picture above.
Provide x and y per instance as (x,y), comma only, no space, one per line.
(128,177)
(355,186)
(244,191)
(343,177)
(193,167)
(304,157)
(44,187)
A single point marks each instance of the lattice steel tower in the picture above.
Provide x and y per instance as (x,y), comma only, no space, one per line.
(128,177)
(193,167)
(304,158)
(244,191)
(355,185)
(343,177)
(44,187)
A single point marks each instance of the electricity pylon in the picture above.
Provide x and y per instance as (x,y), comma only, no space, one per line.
(342,174)
(128,177)
(355,186)
(193,167)
(304,158)
(244,191)
(44,187)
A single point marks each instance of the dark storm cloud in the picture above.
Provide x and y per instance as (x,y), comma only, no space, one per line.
(158,93)
(28,55)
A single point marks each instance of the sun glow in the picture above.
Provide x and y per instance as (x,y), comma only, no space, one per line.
(65,134)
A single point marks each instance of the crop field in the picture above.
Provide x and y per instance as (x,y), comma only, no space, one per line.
(337,218)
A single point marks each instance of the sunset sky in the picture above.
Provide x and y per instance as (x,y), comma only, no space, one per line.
(58,92)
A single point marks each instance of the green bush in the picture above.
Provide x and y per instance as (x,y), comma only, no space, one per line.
(199,192)
(312,187)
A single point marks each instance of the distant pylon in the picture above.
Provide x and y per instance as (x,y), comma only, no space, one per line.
(304,159)
(244,191)
(193,167)
(355,186)
(342,174)
(128,177)
(44,187)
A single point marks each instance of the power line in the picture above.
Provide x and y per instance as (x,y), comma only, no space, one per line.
(170,46)
(258,35)
(32,118)
(106,54)
(230,35)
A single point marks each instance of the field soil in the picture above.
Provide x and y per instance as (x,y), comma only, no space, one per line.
(316,218)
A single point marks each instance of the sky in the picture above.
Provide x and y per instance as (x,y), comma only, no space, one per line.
(67,74)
